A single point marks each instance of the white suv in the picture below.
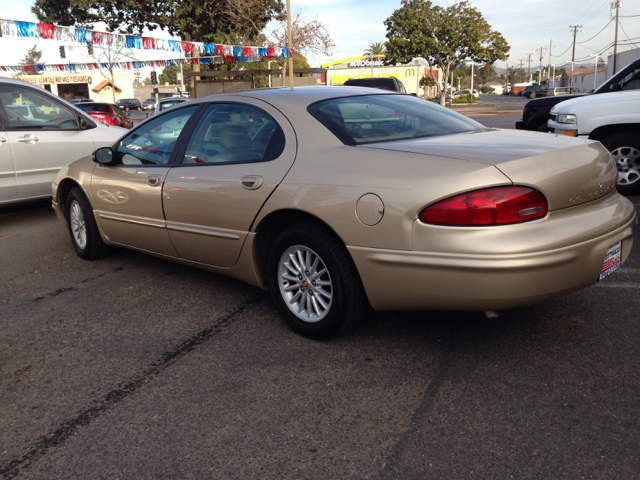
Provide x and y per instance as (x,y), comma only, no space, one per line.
(613,119)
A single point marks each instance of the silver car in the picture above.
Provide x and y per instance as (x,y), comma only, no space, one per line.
(39,134)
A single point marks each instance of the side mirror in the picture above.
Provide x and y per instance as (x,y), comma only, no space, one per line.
(615,87)
(127,114)
(103,156)
(82,122)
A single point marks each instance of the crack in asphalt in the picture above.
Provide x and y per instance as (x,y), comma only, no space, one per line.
(71,289)
(125,389)
(427,404)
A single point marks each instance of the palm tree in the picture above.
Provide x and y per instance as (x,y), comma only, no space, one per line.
(376,48)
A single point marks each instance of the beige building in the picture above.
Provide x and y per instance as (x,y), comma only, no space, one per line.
(367,66)
(91,84)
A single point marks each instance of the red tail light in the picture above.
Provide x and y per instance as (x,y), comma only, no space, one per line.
(489,206)
(103,118)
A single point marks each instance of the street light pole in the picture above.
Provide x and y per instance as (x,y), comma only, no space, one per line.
(571,80)
(471,77)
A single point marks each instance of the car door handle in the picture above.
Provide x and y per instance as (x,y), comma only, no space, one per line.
(3,140)
(153,180)
(251,182)
(28,138)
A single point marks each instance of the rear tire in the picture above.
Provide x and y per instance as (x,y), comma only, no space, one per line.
(84,232)
(314,282)
(625,149)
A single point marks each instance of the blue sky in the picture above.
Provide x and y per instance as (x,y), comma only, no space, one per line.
(354,24)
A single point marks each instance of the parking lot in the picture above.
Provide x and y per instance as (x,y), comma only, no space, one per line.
(134,367)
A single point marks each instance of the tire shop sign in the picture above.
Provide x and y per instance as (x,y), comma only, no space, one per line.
(50,79)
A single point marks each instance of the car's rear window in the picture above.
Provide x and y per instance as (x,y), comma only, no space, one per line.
(169,104)
(93,107)
(379,118)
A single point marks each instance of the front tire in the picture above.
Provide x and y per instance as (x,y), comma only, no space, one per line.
(314,282)
(83,229)
(625,149)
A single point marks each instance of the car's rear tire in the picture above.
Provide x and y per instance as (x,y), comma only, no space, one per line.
(82,227)
(625,149)
(314,282)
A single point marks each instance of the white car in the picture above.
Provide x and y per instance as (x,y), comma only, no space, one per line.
(613,119)
(39,134)
(466,91)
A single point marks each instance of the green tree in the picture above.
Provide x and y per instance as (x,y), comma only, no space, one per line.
(427,81)
(167,73)
(195,21)
(513,75)
(375,48)
(443,36)
(485,73)
(32,56)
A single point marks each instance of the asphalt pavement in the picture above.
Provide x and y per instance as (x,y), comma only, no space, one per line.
(136,367)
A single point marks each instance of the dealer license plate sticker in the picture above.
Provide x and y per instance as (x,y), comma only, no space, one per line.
(611,260)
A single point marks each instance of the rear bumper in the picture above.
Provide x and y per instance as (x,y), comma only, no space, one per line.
(412,280)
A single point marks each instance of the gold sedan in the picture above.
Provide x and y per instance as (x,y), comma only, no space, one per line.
(336,198)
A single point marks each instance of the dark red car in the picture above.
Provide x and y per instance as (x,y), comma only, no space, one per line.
(107,113)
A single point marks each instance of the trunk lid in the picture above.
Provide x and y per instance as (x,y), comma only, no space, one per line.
(567,171)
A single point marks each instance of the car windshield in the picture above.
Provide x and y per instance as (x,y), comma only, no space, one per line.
(93,107)
(380,118)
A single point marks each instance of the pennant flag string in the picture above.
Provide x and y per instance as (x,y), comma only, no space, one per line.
(49,31)
(236,55)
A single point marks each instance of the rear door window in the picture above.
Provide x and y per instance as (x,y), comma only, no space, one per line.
(234,133)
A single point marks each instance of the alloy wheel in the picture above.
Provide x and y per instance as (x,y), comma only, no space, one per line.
(78,226)
(628,163)
(305,283)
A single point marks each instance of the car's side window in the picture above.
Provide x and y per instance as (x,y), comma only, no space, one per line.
(232,132)
(28,109)
(153,142)
(631,81)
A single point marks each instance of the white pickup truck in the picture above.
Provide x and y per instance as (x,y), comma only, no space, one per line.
(613,119)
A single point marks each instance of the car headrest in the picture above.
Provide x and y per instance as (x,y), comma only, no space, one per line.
(235,138)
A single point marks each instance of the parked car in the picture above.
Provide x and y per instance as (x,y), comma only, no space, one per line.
(149,104)
(29,112)
(107,113)
(336,198)
(536,112)
(614,120)
(554,91)
(168,102)
(33,147)
(447,99)
(127,104)
(467,91)
(385,83)
(74,101)
(532,91)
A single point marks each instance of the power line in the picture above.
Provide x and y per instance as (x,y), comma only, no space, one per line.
(625,33)
(582,43)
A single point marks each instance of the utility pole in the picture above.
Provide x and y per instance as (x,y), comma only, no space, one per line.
(529,67)
(549,64)
(615,40)
(573,53)
(541,51)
